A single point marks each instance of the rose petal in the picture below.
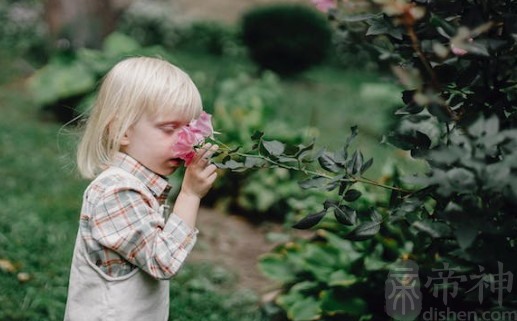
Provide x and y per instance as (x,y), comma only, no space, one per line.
(202,125)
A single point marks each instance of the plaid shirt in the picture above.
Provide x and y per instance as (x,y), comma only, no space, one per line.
(123,222)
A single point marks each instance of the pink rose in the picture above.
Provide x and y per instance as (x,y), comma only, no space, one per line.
(324,5)
(202,125)
(191,136)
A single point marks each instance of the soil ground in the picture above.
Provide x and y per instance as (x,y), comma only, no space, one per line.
(234,243)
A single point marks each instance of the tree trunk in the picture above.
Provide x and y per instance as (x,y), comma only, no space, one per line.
(82,23)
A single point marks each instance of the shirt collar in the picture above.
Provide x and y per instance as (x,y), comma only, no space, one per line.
(157,184)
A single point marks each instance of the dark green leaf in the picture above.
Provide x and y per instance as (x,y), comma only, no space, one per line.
(352,195)
(366,165)
(466,235)
(383,26)
(287,160)
(328,163)
(314,182)
(365,231)
(257,135)
(231,164)
(310,220)
(375,216)
(274,147)
(433,228)
(360,17)
(355,164)
(251,162)
(447,30)
(303,150)
(345,215)
(343,185)
(273,266)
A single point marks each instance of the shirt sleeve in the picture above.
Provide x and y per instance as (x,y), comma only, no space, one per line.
(124,222)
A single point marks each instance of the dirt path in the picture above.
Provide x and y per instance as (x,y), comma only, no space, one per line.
(234,243)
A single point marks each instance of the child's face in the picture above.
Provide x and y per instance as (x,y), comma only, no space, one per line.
(150,141)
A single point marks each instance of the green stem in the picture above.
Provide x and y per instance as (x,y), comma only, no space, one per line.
(310,172)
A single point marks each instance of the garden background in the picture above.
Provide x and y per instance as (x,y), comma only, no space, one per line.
(382,130)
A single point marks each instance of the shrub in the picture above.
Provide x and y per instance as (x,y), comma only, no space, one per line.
(210,37)
(286,39)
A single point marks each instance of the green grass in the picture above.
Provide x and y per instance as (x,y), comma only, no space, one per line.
(40,197)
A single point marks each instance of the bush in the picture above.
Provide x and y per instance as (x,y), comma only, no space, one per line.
(286,39)
(210,37)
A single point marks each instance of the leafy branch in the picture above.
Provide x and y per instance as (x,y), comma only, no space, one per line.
(321,169)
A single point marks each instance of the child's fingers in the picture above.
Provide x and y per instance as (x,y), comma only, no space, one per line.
(205,153)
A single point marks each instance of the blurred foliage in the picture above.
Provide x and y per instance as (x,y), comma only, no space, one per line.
(156,23)
(245,105)
(22,31)
(65,87)
(286,39)
(210,37)
(150,23)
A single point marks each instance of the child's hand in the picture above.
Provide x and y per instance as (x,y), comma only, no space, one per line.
(200,174)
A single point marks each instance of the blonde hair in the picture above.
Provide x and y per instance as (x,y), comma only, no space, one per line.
(133,86)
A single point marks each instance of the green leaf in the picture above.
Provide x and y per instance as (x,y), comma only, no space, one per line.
(365,231)
(383,27)
(257,135)
(59,80)
(303,150)
(310,220)
(117,44)
(355,164)
(328,163)
(251,162)
(352,195)
(274,147)
(433,228)
(360,17)
(345,215)
(232,165)
(342,279)
(314,182)
(332,302)
(349,139)
(366,166)
(305,310)
(274,266)
(466,235)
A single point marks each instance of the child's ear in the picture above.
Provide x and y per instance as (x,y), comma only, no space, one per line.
(124,141)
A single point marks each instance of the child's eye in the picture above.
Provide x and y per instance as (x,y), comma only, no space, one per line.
(168,129)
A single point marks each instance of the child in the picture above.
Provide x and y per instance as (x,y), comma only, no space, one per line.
(127,247)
